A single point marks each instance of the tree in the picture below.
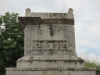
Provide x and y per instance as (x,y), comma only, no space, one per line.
(10,50)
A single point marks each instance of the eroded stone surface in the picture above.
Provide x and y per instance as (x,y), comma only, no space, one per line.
(51,72)
(43,40)
(49,46)
(48,15)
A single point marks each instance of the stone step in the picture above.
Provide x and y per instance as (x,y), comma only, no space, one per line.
(50,71)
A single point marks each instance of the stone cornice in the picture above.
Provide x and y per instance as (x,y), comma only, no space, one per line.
(38,21)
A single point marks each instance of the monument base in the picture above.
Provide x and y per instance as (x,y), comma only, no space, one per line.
(50,62)
(50,71)
(54,65)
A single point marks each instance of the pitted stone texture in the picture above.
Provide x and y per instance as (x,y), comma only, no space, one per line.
(29,58)
(43,15)
(48,71)
(49,62)
(43,40)
(28,10)
(70,13)
(49,46)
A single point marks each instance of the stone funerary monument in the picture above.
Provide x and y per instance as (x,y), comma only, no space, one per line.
(49,46)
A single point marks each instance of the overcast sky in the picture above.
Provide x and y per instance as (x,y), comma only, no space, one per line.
(86,15)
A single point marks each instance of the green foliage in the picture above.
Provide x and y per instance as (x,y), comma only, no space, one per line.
(91,65)
(10,50)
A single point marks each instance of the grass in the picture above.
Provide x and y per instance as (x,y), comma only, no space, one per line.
(92,64)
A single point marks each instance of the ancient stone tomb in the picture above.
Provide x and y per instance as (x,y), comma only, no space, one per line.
(49,46)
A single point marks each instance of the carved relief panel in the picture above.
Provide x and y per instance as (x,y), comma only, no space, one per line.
(39,41)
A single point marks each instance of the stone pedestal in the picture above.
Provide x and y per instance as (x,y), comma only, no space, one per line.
(38,62)
(48,71)
(28,65)
(49,46)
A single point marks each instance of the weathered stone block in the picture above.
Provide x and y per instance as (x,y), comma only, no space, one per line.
(49,46)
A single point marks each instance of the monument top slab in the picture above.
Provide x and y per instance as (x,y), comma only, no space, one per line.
(50,15)
(40,18)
